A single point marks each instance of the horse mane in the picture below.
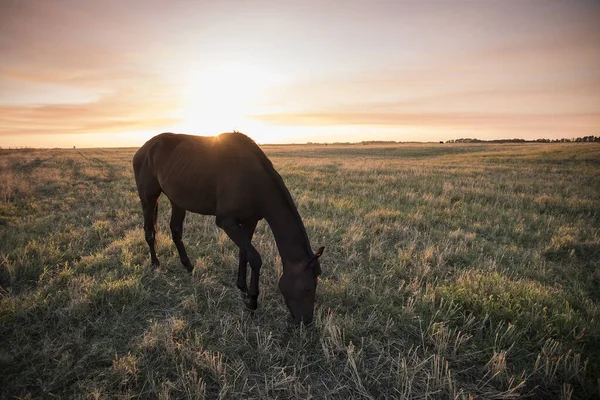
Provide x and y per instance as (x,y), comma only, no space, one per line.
(251,145)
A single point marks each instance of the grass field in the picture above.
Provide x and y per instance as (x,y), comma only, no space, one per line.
(450,271)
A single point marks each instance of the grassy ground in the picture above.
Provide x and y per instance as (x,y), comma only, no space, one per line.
(450,271)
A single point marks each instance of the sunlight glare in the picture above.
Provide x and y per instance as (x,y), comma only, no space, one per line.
(221,98)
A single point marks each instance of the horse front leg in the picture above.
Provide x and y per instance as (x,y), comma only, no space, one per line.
(241,235)
(248,228)
(241,277)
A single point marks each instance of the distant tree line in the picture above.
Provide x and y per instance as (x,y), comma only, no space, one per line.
(585,139)
(365,142)
(17,148)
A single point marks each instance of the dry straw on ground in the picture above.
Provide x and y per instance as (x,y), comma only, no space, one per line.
(450,271)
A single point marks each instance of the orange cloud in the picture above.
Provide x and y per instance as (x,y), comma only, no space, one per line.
(506,124)
(75,119)
(538,85)
(71,67)
(133,106)
(56,46)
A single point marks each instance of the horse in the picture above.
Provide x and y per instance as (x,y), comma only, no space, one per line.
(228,176)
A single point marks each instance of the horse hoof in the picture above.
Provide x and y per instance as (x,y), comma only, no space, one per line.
(156,263)
(250,303)
(248,313)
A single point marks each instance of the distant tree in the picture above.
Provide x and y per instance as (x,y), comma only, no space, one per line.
(590,139)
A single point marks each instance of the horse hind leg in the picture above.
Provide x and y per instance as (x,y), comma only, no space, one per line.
(150,211)
(177,218)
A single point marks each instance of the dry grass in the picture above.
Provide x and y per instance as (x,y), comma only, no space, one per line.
(450,271)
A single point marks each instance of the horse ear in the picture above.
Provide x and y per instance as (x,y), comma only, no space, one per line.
(319,252)
(313,261)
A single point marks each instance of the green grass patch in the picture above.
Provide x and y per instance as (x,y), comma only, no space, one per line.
(450,271)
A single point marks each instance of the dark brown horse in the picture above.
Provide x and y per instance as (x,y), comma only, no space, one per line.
(230,177)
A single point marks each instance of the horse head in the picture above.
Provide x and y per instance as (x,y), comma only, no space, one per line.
(299,287)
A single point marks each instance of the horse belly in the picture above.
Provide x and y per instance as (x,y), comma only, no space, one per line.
(240,197)
(198,198)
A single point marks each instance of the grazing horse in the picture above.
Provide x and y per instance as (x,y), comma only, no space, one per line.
(230,177)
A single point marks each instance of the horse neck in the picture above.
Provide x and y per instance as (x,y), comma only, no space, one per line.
(289,232)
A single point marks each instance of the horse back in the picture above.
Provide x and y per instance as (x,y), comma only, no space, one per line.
(206,175)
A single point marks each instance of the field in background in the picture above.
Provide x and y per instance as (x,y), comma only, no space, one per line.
(450,271)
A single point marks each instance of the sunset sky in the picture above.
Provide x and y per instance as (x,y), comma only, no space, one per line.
(114,73)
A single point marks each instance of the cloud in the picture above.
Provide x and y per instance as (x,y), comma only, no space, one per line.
(69,66)
(135,105)
(71,69)
(430,119)
(82,118)
(481,124)
(543,84)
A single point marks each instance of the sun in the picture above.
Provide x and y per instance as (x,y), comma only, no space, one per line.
(222,97)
